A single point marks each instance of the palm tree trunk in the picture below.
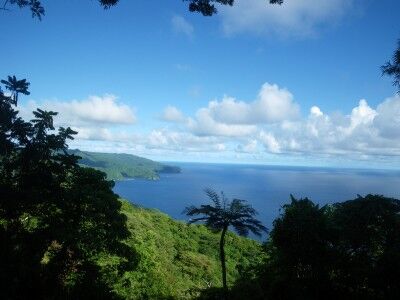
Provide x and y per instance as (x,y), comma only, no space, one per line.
(222,257)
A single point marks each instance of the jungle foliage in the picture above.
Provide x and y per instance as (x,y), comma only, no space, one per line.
(178,261)
(56,218)
(348,250)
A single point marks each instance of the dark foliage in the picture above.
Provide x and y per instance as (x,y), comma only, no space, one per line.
(205,7)
(56,217)
(368,247)
(35,6)
(300,252)
(15,87)
(392,68)
(349,250)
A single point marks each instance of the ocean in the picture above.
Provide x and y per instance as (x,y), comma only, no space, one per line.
(266,188)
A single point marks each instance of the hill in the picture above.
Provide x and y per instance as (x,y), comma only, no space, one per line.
(119,166)
(177,260)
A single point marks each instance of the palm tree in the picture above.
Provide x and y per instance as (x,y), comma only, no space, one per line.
(16,86)
(221,215)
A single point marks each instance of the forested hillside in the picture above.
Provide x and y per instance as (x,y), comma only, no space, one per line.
(177,260)
(119,166)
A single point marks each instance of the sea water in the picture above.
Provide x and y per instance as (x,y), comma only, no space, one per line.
(266,188)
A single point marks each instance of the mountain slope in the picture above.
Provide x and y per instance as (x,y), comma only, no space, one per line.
(119,166)
(178,260)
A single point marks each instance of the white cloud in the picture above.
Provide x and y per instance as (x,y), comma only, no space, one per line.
(273,104)
(388,118)
(269,126)
(172,114)
(204,124)
(232,118)
(364,132)
(293,18)
(181,25)
(95,110)
(270,142)
(361,115)
(316,111)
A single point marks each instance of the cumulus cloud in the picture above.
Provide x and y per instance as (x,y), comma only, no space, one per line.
(181,25)
(387,118)
(233,118)
(204,124)
(270,125)
(172,114)
(273,121)
(94,110)
(270,142)
(293,18)
(361,132)
(273,104)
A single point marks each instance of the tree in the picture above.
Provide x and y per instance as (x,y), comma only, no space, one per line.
(221,215)
(35,6)
(56,218)
(300,256)
(15,87)
(348,250)
(368,247)
(205,7)
(392,68)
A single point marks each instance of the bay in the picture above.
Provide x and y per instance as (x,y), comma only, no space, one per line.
(266,188)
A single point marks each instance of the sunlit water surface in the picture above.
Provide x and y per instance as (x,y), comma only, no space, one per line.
(267,188)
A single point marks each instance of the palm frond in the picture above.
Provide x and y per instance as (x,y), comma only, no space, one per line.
(223,214)
(213,196)
(191,221)
(202,210)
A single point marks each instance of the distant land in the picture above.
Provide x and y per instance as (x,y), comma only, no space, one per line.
(119,166)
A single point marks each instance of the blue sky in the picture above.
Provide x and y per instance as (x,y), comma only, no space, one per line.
(253,84)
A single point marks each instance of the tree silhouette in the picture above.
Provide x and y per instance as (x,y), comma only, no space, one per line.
(221,215)
(392,68)
(15,87)
(345,250)
(35,6)
(205,7)
(300,257)
(56,218)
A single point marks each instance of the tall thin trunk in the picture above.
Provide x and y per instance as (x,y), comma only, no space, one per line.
(222,257)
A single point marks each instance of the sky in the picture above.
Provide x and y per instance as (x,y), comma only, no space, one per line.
(297,84)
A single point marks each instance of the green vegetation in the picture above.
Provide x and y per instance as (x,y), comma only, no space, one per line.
(56,218)
(178,260)
(348,250)
(221,215)
(119,166)
(66,235)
